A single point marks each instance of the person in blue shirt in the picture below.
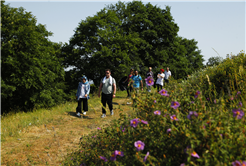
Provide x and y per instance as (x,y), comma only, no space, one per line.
(83,95)
(137,80)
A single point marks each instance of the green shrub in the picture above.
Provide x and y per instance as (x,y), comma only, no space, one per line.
(213,132)
(94,89)
(71,96)
(224,78)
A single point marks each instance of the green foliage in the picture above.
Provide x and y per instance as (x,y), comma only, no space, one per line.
(93,89)
(130,35)
(32,73)
(226,77)
(72,79)
(214,133)
(214,61)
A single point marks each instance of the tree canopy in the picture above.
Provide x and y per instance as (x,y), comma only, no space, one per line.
(130,35)
(214,61)
(32,75)
(118,37)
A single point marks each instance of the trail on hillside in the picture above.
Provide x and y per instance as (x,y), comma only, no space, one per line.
(48,144)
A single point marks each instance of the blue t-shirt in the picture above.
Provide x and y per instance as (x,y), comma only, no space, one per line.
(136,79)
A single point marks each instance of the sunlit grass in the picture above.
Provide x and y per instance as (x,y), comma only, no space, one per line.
(57,132)
(200,122)
(212,132)
(14,123)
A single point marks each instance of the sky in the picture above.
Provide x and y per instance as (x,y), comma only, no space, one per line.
(217,26)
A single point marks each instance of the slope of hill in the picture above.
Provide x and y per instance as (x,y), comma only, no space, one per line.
(45,137)
(200,121)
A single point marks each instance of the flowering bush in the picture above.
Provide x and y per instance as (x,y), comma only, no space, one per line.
(182,129)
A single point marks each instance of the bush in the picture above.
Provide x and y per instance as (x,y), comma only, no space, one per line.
(222,79)
(94,89)
(188,123)
(33,76)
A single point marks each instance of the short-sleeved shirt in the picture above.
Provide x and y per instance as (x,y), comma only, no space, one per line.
(167,74)
(136,79)
(160,80)
(107,88)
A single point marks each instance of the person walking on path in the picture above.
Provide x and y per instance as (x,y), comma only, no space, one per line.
(167,75)
(160,78)
(129,88)
(108,88)
(149,74)
(137,79)
(83,95)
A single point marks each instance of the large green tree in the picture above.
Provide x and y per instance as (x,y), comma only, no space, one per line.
(130,35)
(214,61)
(32,75)
(183,57)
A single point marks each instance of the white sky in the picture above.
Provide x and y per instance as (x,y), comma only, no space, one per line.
(219,25)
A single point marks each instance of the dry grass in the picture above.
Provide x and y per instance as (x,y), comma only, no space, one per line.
(47,144)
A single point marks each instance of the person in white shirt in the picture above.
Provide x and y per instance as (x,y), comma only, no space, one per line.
(159,81)
(82,95)
(167,75)
(108,88)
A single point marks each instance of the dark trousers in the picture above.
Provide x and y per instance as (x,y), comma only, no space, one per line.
(158,86)
(85,105)
(107,98)
(129,89)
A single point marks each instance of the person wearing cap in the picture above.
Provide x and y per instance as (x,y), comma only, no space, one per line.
(160,78)
(167,75)
(82,95)
(149,74)
(108,88)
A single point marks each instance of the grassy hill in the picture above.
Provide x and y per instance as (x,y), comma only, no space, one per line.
(46,136)
(199,121)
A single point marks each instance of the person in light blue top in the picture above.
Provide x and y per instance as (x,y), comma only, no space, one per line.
(83,95)
(137,79)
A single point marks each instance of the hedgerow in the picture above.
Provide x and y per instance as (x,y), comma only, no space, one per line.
(200,121)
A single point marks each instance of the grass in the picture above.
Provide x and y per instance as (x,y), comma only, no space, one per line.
(46,136)
(208,128)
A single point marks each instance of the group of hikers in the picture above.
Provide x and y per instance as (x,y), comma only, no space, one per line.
(107,89)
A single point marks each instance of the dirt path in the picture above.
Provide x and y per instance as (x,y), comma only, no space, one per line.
(49,143)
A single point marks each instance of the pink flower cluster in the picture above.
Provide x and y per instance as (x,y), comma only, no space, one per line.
(134,122)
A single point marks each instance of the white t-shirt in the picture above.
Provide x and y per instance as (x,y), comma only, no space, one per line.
(82,94)
(160,80)
(167,74)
